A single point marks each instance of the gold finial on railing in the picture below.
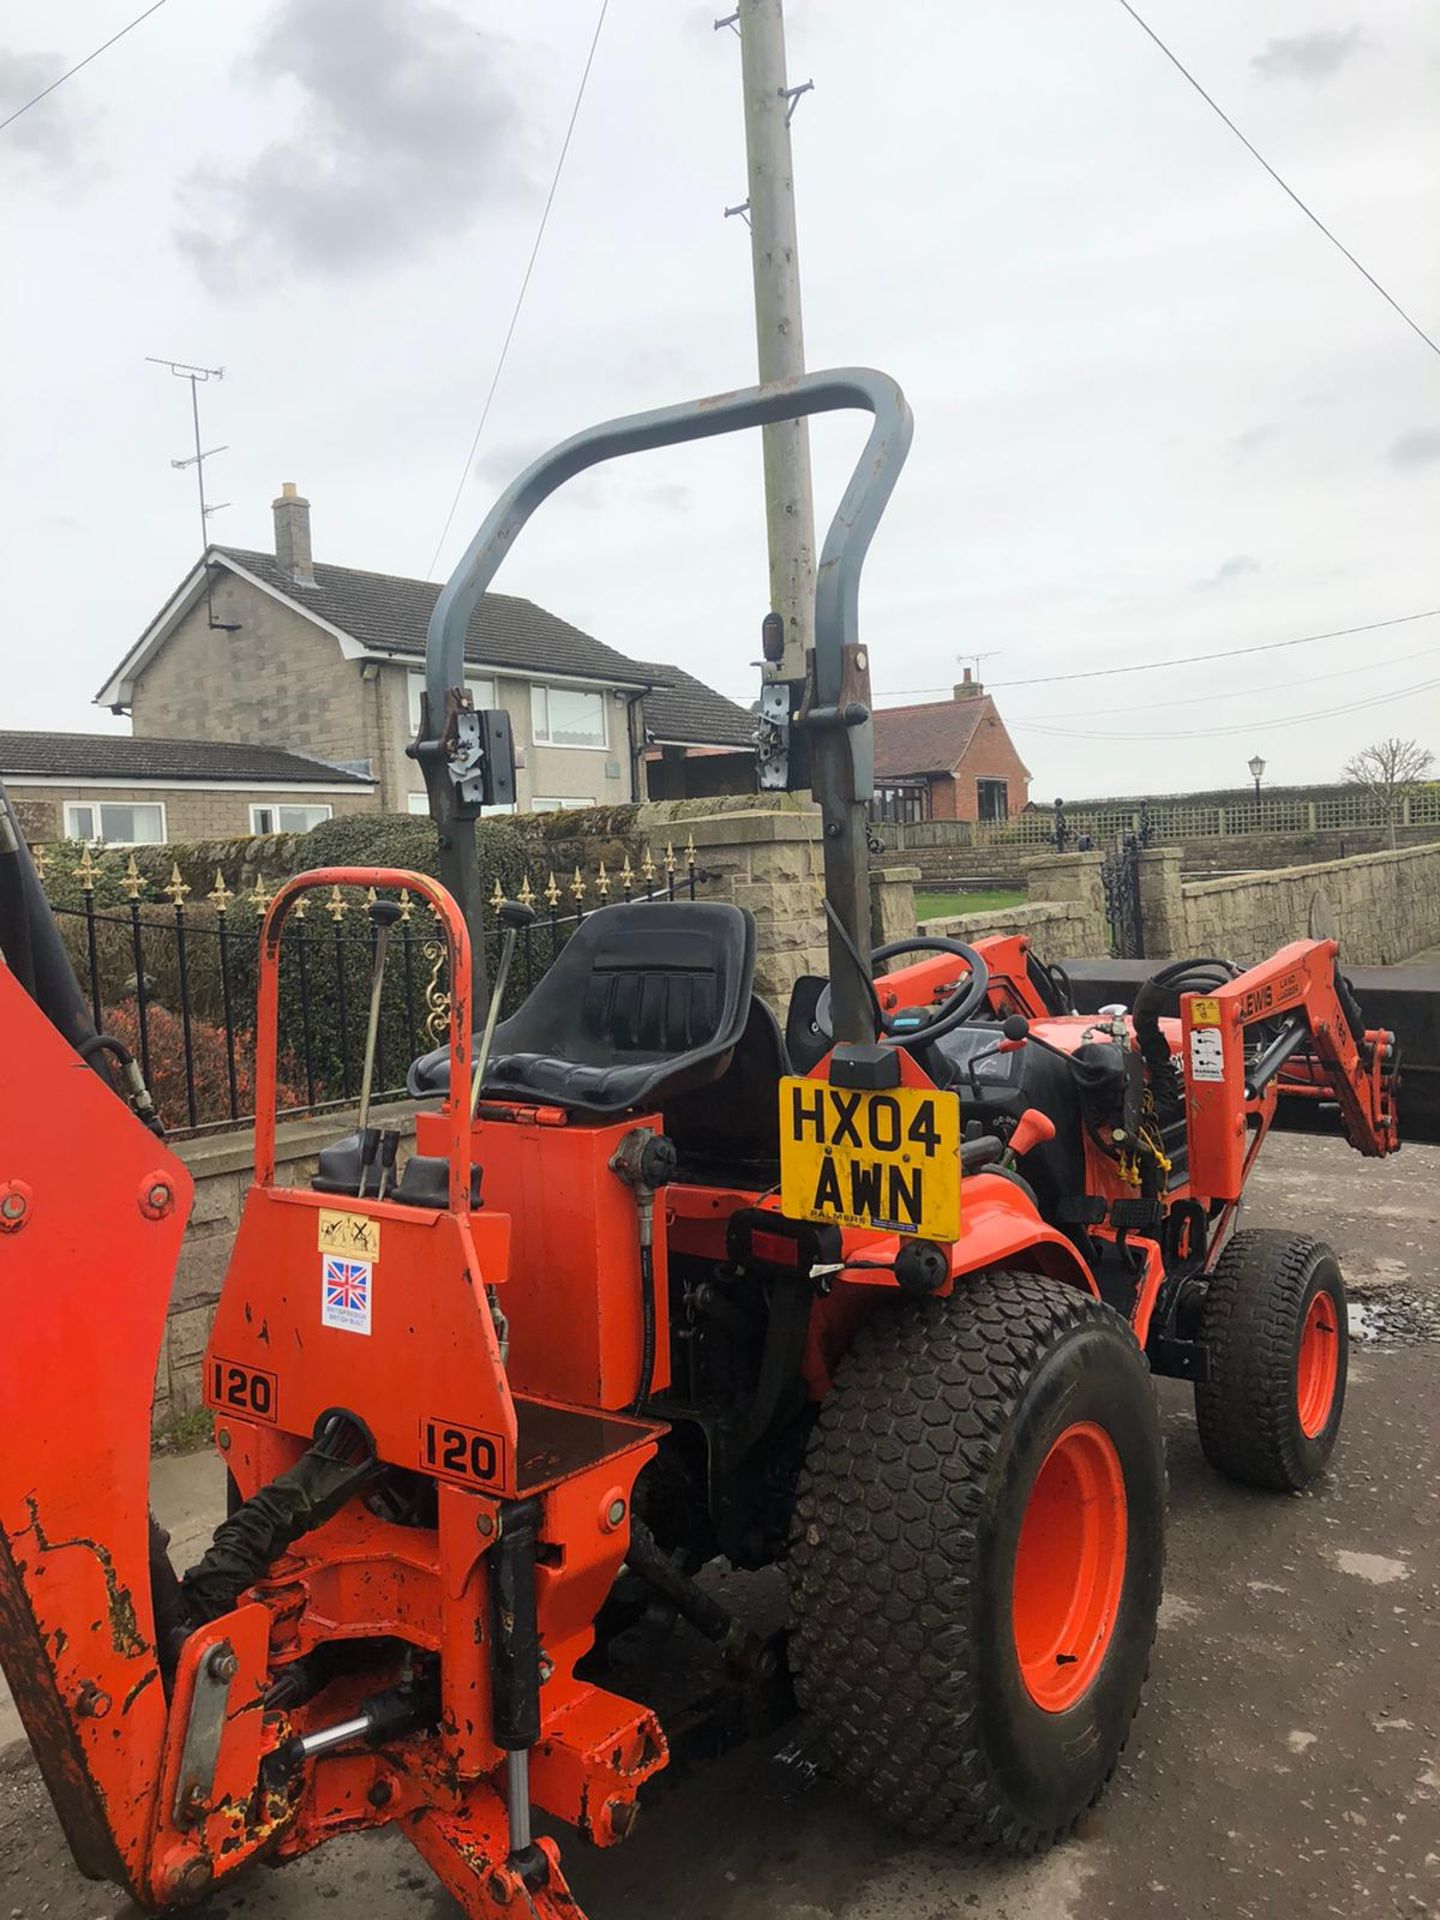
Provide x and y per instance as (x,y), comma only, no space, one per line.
(690,850)
(577,885)
(369,896)
(602,882)
(552,891)
(301,906)
(219,895)
(627,877)
(132,880)
(178,888)
(335,905)
(497,894)
(526,895)
(669,857)
(647,865)
(260,894)
(41,860)
(406,905)
(86,871)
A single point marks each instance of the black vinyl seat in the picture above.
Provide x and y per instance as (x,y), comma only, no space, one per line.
(646,1000)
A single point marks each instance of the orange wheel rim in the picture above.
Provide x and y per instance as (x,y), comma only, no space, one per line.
(1070,1567)
(1318,1367)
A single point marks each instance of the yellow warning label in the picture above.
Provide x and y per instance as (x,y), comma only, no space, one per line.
(355,1235)
(1204,1013)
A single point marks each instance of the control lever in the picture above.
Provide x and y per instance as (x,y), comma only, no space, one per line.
(383,915)
(512,915)
(1015,1032)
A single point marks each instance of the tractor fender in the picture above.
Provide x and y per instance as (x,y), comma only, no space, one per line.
(1002,1227)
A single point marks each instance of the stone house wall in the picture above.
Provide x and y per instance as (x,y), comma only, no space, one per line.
(191,812)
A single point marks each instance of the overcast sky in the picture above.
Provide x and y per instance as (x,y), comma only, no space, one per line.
(1156,413)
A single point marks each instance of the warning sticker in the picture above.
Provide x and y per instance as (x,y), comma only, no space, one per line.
(353,1234)
(346,1290)
(1204,1012)
(1207,1054)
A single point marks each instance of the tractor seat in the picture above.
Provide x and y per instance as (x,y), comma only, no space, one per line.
(646,1000)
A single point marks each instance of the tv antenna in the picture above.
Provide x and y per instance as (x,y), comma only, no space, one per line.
(974,659)
(197,376)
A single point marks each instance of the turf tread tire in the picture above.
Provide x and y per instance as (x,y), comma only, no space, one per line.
(1250,1326)
(886,1554)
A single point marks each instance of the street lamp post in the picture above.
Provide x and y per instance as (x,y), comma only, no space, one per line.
(1257,767)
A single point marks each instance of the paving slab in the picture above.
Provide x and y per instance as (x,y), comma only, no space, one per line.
(1286,1758)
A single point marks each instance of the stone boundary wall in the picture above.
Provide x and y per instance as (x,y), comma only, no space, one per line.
(1382,908)
(1063,915)
(951,862)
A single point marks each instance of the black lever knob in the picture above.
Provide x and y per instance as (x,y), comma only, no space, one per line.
(513,913)
(384,913)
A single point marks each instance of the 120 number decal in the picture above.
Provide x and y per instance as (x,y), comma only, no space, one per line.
(237,1389)
(460,1453)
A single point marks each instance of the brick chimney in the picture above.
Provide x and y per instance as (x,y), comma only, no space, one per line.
(969,687)
(292,535)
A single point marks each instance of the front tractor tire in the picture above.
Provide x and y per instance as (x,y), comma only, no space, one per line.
(976,1562)
(1276,1330)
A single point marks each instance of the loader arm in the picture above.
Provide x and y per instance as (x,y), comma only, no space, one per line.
(1318,1044)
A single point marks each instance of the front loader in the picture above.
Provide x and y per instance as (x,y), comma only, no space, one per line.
(875,1297)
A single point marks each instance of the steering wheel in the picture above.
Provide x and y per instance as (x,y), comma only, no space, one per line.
(964,1006)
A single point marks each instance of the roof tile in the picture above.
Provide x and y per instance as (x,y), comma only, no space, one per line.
(121,756)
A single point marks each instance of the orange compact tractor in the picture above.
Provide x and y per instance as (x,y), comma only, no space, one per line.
(876,1297)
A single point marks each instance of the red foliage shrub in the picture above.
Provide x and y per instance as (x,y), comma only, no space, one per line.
(209,1065)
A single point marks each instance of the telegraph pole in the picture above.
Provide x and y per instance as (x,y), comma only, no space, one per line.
(780,340)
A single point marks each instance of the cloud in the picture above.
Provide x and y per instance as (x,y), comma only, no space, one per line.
(1415,449)
(1254,438)
(1311,57)
(47,133)
(406,127)
(1232,569)
(668,496)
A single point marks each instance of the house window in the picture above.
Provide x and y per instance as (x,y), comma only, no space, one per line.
(481,689)
(902,802)
(538,805)
(287,819)
(993,799)
(567,717)
(120,823)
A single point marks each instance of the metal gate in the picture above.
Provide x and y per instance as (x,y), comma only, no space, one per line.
(1120,874)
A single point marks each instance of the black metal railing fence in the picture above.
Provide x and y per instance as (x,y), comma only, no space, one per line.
(175,979)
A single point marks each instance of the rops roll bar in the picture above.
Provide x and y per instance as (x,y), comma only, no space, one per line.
(836,708)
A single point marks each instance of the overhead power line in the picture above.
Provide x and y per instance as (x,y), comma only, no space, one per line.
(1268,721)
(1284,185)
(70,72)
(1244,691)
(1187,659)
(524,287)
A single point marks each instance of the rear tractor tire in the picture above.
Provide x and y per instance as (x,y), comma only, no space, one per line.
(976,1562)
(1276,1330)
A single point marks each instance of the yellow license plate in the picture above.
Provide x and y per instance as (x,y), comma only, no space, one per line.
(887,1159)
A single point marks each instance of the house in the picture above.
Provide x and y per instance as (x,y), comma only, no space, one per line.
(947,760)
(132,792)
(327,662)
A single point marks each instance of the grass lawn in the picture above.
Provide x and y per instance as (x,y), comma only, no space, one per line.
(932,906)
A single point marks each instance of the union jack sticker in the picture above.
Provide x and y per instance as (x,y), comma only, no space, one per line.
(345,1288)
